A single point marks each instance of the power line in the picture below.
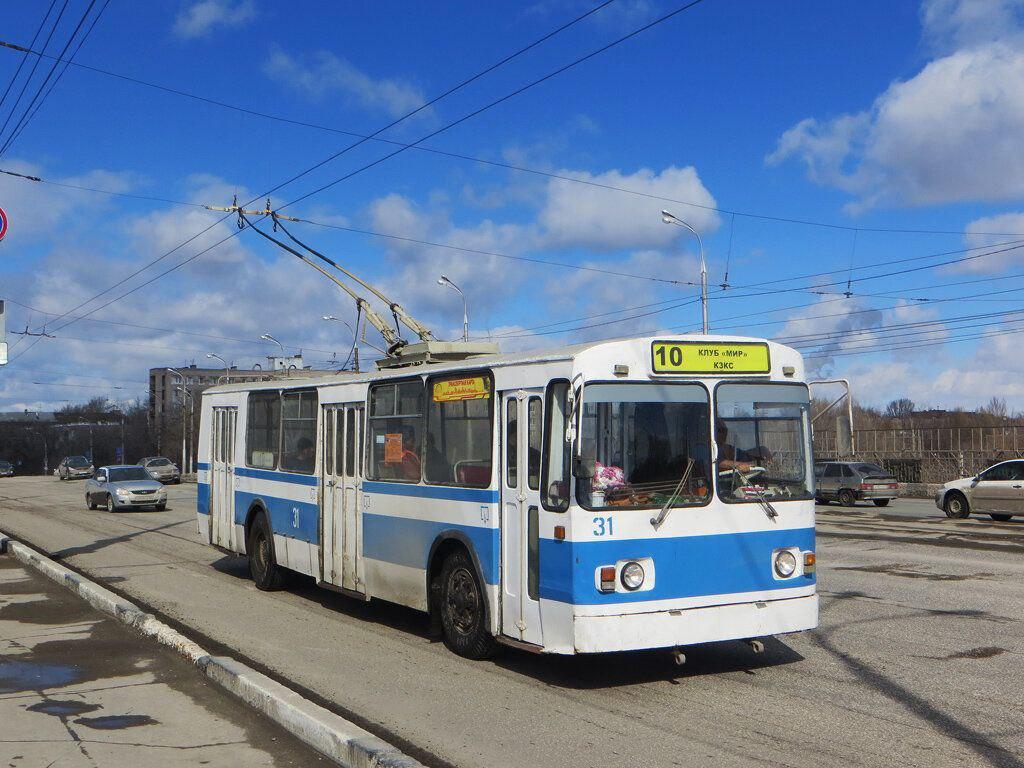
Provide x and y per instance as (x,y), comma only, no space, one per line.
(325,161)
(24,58)
(14,136)
(35,65)
(486,161)
(25,115)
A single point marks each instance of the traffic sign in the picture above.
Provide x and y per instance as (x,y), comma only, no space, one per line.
(3,223)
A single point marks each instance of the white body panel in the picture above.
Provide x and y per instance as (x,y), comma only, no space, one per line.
(376,537)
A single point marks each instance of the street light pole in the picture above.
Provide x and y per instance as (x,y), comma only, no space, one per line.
(268,337)
(227,368)
(443,280)
(671,218)
(184,391)
(355,338)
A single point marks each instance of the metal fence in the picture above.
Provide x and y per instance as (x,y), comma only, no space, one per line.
(930,454)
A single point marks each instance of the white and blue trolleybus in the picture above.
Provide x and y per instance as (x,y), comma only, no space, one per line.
(621,495)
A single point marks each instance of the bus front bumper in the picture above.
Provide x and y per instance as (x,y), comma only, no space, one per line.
(668,629)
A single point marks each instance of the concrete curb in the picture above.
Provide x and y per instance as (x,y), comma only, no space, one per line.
(334,736)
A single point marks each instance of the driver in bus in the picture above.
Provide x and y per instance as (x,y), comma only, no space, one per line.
(731,457)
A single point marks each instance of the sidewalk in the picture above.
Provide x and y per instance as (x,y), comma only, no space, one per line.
(77,688)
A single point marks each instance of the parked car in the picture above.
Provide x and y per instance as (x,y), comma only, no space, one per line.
(72,467)
(997,492)
(164,470)
(6,469)
(123,487)
(851,481)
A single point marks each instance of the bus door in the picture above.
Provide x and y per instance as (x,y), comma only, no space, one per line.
(222,478)
(521,417)
(342,496)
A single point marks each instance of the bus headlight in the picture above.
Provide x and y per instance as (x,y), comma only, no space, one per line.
(632,575)
(785,564)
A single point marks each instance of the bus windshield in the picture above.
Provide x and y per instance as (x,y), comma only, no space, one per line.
(645,445)
(761,431)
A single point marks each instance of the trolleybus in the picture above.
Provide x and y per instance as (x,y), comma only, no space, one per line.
(633,494)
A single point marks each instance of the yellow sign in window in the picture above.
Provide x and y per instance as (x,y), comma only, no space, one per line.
(710,357)
(469,388)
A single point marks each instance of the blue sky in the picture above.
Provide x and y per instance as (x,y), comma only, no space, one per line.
(873,115)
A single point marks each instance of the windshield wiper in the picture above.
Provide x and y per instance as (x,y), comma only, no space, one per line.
(761,498)
(657,521)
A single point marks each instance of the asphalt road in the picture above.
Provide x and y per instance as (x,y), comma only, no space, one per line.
(78,688)
(917,662)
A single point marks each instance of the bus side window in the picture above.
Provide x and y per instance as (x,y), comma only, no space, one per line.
(395,431)
(458,447)
(534,428)
(555,462)
(263,430)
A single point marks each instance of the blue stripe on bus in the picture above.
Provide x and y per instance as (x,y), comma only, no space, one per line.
(283,515)
(203,498)
(687,566)
(404,541)
(479,495)
(201,465)
(283,477)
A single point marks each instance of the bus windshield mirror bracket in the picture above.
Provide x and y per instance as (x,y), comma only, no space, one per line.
(657,521)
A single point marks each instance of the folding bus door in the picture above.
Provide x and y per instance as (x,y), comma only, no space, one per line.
(351,480)
(521,420)
(222,478)
(331,533)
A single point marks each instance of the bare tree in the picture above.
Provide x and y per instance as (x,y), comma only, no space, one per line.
(900,408)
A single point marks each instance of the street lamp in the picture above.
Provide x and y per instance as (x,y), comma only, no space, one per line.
(355,338)
(443,280)
(227,367)
(268,337)
(671,218)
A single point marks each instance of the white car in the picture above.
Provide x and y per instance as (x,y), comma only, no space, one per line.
(997,492)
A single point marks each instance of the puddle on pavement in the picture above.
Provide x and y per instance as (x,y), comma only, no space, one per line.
(17,676)
(62,707)
(115,722)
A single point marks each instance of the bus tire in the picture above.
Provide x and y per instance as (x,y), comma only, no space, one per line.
(463,613)
(846,498)
(266,574)
(955,506)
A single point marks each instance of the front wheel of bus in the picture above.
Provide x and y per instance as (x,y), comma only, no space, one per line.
(463,617)
(266,573)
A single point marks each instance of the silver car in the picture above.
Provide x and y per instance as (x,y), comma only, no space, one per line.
(997,492)
(74,467)
(124,487)
(6,469)
(164,470)
(851,481)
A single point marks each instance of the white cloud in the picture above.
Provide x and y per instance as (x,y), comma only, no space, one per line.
(576,215)
(323,74)
(948,134)
(37,209)
(999,233)
(201,18)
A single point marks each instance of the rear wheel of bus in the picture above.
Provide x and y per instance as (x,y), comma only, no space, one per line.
(265,572)
(463,615)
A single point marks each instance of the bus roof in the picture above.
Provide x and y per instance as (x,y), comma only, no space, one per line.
(483,361)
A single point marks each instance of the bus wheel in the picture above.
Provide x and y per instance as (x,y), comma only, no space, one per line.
(265,572)
(462,609)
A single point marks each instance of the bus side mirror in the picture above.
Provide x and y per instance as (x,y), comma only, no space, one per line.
(583,468)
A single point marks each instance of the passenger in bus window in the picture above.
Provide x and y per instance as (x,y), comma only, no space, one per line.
(438,468)
(305,455)
(410,459)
